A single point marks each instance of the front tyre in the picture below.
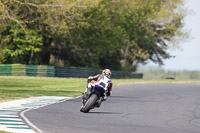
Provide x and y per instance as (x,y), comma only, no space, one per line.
(89,104)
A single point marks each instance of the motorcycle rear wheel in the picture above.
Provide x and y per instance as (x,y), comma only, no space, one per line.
(90,103)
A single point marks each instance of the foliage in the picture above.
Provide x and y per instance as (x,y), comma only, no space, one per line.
(17,45)
(89,33)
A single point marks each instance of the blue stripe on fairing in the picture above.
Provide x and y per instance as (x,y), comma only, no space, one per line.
(101,88)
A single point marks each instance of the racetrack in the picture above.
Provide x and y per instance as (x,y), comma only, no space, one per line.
(133,108)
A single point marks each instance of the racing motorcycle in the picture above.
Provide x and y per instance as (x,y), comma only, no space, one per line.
(93,99)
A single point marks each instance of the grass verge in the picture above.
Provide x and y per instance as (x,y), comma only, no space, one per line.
(22,87)
(3,132)
(13,87)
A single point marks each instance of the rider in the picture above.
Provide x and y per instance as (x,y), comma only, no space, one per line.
(102,80)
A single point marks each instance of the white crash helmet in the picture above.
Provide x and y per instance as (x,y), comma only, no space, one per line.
(106,72)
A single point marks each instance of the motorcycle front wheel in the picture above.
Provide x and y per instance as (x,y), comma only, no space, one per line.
(89,104)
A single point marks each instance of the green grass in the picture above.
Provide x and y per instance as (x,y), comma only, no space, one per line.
(23,87)
(3,132)
(12,87)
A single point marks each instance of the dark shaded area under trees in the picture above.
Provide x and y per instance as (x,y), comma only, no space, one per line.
(89,33)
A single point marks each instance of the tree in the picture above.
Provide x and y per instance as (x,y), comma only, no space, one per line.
(135,31)
(150,26)
(19,46)
(28,21)
(84,33)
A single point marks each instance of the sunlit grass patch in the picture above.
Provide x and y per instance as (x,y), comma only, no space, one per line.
(4,132)
(23,87)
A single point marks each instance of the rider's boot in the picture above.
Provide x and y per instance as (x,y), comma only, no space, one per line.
(101,100)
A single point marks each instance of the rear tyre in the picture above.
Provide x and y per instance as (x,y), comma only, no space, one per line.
(89,104)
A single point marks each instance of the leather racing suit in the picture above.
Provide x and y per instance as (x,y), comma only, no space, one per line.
(101,80)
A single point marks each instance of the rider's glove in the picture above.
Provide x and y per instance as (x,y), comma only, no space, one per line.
(89,79)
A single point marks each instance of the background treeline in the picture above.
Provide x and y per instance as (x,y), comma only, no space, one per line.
(116,34)
(163,74)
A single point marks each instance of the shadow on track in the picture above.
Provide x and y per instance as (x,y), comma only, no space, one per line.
(123,97)
(104,113)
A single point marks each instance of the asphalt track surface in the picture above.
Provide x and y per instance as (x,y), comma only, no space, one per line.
(133,108)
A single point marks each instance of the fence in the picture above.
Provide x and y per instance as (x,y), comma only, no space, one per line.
(52,71)
(26,70)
